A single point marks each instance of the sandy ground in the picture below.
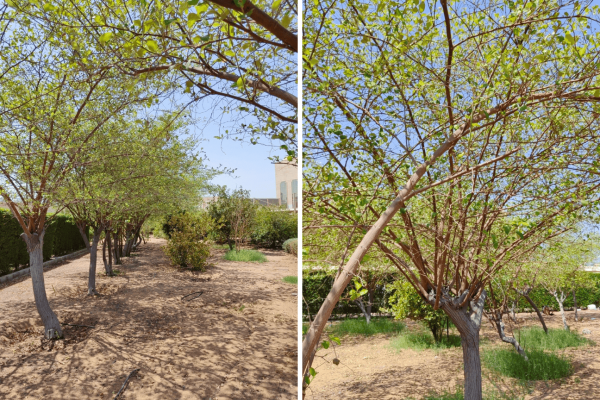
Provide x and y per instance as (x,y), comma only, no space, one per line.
(371,369)
(237,340)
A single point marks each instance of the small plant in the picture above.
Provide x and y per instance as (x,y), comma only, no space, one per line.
(245,255)
(187,245)
(359,326)
(291,246)
(291,279)
(541,365)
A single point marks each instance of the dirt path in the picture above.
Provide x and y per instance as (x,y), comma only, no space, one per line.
(371,369)
(236,341)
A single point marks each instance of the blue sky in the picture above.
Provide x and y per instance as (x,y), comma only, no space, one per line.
(254,171)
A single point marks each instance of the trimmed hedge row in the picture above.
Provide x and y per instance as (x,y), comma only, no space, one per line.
(316,286)
(62,237)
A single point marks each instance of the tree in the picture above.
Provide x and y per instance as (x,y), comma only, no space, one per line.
(473,113)
(233,213)
(240,53)
(562,262)
(49,110)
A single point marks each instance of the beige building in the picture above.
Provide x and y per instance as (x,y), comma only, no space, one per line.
(286,181)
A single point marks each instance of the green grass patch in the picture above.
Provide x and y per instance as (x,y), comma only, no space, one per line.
(423,341)
(535,338)
(245,255)
(541,366)
(291,279)
(458,394)
(359,326)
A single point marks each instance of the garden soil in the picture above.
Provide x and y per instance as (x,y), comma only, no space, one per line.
(370,368)
(236,340)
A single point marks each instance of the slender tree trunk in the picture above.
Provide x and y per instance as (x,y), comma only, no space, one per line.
(104,252)
(109,271)
(497,318)
(370,303)
(512,314)
(364,310)
(575,304)
(537,310)
(116,255)
(468,323)
(560,300)
(35,243)
(93,261)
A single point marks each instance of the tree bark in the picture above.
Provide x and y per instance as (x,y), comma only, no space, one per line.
(537,310)
(35,243)
(468,322)
(370,303)
(93,261)
(512,314)
(364,310)
(560,300)
(575,304)
(108,267)
(507,339)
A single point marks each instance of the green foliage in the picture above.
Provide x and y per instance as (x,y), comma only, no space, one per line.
(229,209)
(62,237)
(534,338)
(291,279)
(245,255)
(585,295)
(316,283)
(359,326)
(541,365)
(405,302)
(291,246)
(423,341)
(274,226)
(188,246)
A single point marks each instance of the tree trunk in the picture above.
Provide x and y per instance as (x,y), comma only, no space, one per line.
(364,310)
(537,310)
(93,261)
(116,255)
(370,303)
(52,329)
(512,314)
(104,252)
(108,267)
(560,300)
(507,339)
(575,304)
(468,322)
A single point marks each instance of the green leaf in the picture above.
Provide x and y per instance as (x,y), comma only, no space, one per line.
(106,37)
(275,5)
(285,21)
(312,371)
(240,82)
(358,285)
(49,7)
(229,53)
(170,21)
(152,46)
(202,8)
(325,344)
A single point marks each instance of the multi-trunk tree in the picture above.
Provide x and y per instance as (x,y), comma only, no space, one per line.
(453,138)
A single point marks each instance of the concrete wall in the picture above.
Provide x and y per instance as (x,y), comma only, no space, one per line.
(285,174)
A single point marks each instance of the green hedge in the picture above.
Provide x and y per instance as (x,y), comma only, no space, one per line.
(585,297)
(274,226)
(316,286)
(62,237)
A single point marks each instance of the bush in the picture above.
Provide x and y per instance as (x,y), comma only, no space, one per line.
(188,246)
(541,365)
(274,226)
(291,246)
(245,255)
(405,302)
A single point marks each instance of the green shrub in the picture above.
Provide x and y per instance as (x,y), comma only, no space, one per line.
(245,255)
(359,326)
(273,226)
(291,246)
(541,365)
(62,237)
(234,214)
(534,338)
(405,302)
(188,246)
